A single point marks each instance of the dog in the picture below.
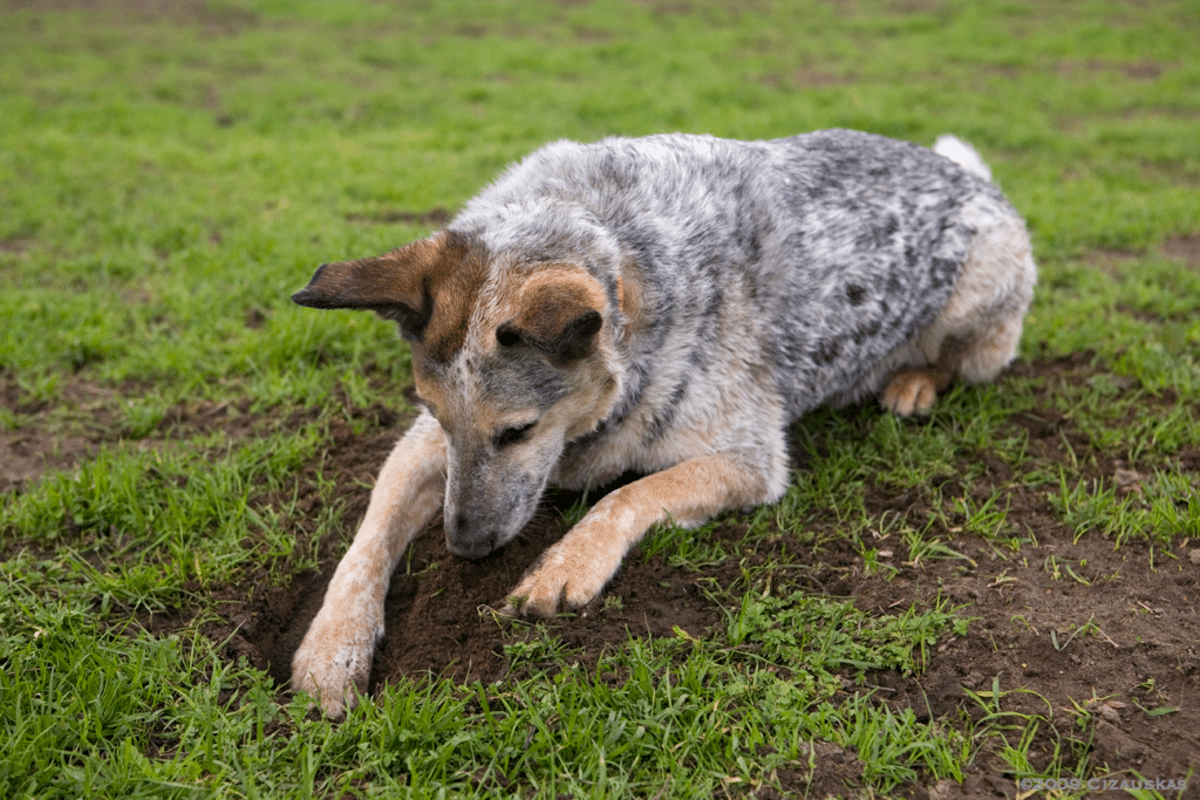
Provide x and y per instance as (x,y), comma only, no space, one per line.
(666,306)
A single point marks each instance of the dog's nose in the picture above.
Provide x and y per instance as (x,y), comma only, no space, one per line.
(469,549)
(460,541)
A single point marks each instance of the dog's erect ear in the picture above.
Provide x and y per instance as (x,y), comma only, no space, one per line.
(560,316)
(401,285)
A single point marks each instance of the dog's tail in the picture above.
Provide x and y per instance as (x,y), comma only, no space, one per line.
(962,153)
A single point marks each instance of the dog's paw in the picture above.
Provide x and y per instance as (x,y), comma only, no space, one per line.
(562,581)
(909,392)
(333,662)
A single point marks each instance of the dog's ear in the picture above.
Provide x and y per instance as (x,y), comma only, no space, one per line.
(559,316)
(401,285)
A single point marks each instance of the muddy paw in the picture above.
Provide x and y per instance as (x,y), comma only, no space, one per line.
(333,662)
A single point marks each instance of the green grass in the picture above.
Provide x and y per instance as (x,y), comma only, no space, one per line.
(170,174)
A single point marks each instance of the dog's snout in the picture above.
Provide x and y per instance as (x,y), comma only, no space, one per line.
(464,542)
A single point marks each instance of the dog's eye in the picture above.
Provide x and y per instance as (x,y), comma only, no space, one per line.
(507,436)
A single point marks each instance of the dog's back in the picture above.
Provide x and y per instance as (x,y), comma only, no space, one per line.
(802,261)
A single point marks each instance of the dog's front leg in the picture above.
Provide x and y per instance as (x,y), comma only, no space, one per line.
(335,657)
(576,569)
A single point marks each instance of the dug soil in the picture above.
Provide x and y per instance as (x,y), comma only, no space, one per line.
(1099,640)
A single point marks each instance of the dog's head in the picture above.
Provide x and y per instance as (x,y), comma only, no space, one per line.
(512,355)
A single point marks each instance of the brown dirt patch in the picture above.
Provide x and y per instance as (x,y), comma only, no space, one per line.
(436,216)
(1144,70)
(438,620)
(58,434)
(214,18)
(51,436)
(1117,263)
(1103,642)
(1184,248)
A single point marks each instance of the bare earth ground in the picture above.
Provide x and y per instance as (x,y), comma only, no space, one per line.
(1137,655)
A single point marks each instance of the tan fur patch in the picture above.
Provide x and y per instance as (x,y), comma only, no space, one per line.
(455,278)
(913,391)
(430,287)
(430,387)
(398,278)
(629,297)
(554,296)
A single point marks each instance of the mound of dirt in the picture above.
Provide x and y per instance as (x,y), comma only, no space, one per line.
(439,608)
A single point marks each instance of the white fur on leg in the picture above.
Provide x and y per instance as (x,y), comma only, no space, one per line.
(333,663)
(575,570)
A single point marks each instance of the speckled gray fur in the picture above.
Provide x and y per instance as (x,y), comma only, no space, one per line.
(838,246)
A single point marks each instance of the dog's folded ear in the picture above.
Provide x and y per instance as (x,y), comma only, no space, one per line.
(400,285)
(559,317)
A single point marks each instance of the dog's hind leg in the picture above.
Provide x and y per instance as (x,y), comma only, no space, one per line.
(975,336)
(333,662)
(575,570)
